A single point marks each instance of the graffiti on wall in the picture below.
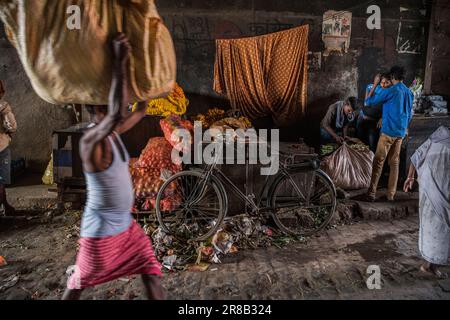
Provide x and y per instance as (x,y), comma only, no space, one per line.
(189,28)
(194,36)
(185,28)
(268,27)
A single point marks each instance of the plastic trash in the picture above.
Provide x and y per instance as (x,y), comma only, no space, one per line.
(47,178)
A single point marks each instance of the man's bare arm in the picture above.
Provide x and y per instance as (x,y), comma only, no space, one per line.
(133,119)
(344,132)
(376,81)
(118,98)
(333,134)
(8,119)
(330,131)
(409,182)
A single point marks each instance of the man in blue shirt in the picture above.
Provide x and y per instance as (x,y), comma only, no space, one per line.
(397,114)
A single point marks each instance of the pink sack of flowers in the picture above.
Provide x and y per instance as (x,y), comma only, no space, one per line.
(174,128)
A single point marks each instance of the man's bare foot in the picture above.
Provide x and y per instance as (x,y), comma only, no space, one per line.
(153,287)
(432,268)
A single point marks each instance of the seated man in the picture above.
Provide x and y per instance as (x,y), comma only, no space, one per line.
(339,116)
(369,120)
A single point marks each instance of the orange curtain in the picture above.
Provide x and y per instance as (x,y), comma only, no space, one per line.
(265,75)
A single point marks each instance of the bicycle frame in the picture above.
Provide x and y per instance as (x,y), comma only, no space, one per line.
(248,199)
(212,170)
(268,201)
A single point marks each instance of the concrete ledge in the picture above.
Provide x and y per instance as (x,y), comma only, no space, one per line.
(39,198)
(34,197)
(354,208)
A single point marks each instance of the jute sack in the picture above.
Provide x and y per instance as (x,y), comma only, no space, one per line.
(75,65)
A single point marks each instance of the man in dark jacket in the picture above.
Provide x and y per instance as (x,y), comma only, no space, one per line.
(335,124)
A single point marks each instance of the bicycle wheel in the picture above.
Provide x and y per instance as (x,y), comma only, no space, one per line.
(302,203)
(189,207)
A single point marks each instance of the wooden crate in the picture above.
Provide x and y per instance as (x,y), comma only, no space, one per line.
(72,190)
(66,158)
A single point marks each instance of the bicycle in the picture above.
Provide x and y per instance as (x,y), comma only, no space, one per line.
(192,204)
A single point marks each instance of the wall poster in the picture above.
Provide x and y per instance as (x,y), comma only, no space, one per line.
(336,31)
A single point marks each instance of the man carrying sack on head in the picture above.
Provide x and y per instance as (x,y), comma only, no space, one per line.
(112,244)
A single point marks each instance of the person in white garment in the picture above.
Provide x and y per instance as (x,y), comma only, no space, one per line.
(431,161)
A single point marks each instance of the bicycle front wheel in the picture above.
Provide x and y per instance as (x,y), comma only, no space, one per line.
(302,203)
(190,207)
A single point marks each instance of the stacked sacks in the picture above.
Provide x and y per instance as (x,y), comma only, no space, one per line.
(149,171)
(155,166)
(172,127)
(232,123)
(217,118)
(211,116)
(157,154)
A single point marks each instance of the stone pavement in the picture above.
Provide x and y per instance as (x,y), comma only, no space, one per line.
(332,265)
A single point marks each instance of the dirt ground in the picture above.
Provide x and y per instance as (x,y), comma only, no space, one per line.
(332,265)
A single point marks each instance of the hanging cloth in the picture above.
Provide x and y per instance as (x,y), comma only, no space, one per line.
(265,75)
